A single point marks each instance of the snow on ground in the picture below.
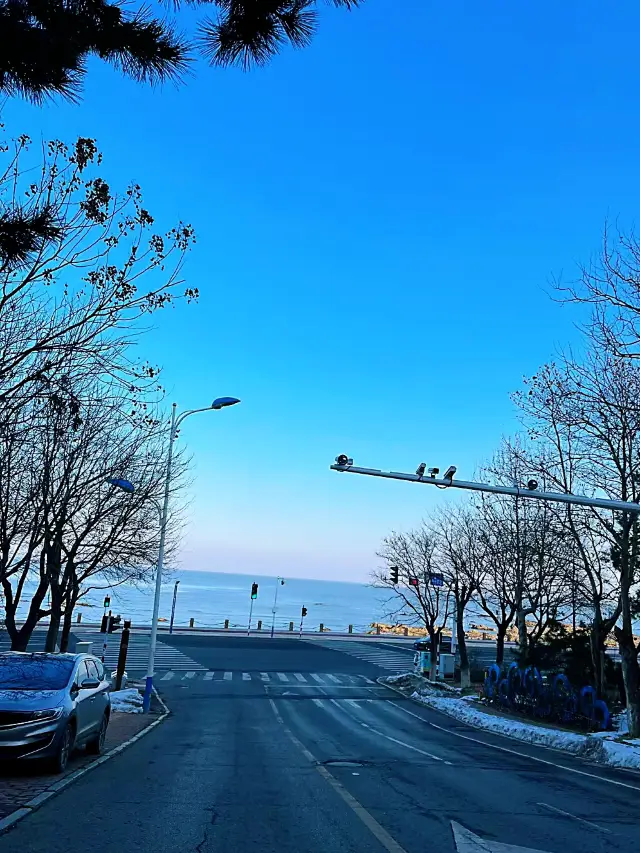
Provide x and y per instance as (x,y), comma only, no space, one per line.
(604,747)
(127,701)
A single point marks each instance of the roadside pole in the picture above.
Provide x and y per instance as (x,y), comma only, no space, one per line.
(302,615)
(122,657)
(173,606)
(250,617)
(279,583)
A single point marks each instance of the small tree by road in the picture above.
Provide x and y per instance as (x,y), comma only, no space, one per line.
(416,557)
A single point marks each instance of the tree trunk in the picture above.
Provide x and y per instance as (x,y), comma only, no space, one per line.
(523,639)
(20,636)
(465,670)
(597,658)
(66,625)
(502,633)
(54,624)
(631,676)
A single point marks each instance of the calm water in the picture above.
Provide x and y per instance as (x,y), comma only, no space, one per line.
(212,597)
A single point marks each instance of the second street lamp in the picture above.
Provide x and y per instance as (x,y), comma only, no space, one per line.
(176,420)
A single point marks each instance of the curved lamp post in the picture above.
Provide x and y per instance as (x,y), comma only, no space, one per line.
(218,403)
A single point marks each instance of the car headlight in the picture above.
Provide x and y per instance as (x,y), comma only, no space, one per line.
(52,714)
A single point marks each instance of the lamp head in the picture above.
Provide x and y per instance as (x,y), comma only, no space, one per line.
(223,402)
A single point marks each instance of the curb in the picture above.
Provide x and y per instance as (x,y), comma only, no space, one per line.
(588,759)
(30,807)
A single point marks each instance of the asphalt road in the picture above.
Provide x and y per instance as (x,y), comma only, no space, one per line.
(247,762)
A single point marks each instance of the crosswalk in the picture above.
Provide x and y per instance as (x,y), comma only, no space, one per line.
(166,658)
(385,657)
(297,679)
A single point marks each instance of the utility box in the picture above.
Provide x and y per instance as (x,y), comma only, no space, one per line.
(82,648)
(446,666)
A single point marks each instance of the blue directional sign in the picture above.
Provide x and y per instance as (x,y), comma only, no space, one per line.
(436,580)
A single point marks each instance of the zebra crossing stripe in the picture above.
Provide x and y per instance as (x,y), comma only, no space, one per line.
(317,678)
(246,676)
(282,676)
(333,678)
(318,702)
(228,676)
(265,676)
(300,677)
(188,675)
(208,676)
(167,676)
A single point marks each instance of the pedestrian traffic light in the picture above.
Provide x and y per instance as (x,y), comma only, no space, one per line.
(393,574)
(304,612)
(254,590)
(414,582)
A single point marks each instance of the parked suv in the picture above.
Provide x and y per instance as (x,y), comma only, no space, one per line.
(51,703)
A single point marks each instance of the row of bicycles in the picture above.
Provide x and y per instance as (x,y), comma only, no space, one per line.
(552,698)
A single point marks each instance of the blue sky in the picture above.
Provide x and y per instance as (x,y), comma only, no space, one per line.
(378,219)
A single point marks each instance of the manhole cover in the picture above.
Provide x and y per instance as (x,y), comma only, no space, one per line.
(343,762)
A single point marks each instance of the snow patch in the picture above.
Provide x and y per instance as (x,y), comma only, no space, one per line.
(127,701)
(604,747)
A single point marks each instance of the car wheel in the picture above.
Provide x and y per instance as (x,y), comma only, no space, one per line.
(65,747)
(96,744)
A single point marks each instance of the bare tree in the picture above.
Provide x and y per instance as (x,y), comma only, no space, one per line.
(585,413)
(456,534)
(415,598)
(79,293)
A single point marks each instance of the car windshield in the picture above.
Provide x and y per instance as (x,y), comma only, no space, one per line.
(34,672)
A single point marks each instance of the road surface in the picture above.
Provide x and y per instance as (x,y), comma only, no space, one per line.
(284,747)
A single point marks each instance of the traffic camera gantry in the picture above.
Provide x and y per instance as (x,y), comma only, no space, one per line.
(345,464)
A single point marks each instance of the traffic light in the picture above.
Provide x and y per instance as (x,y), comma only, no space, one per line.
(254,590)
(393,574)
(304,612)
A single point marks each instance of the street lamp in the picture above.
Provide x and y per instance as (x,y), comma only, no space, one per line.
(218,403)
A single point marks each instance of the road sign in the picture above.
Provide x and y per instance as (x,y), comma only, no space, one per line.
(436,579)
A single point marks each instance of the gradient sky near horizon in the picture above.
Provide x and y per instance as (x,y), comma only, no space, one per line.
(379,217)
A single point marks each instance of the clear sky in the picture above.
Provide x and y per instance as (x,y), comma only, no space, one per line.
(379,217)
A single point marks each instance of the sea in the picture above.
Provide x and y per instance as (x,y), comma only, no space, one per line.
(210,598)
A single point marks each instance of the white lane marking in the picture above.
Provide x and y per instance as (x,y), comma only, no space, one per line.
(282,676)
(520,754)
(300,677)
(318,702)
(228,676)
(246,676)
(377,830)
(167,676)
(265,676)
(338,704)
(352,702)
(208,676)
(317,678)
(574,817)
(333,678)
(188,675)
(468,842)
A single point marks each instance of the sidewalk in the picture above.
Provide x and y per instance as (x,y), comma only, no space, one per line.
(20,784)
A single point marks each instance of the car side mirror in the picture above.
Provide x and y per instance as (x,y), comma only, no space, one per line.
(89,684)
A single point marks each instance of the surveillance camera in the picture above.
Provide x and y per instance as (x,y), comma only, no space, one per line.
(433,472)
(422,467)
(448,474)
(532,485)
(343,459)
